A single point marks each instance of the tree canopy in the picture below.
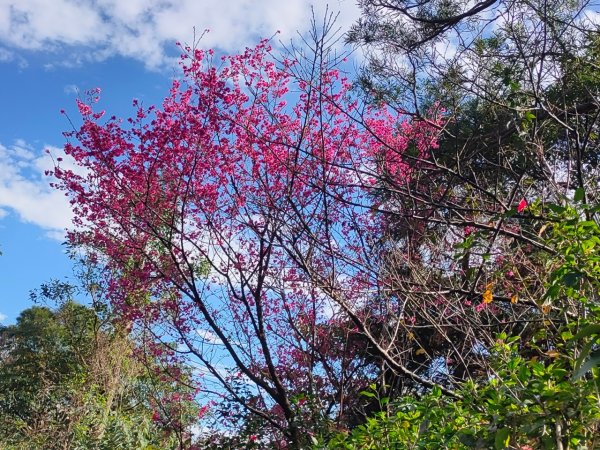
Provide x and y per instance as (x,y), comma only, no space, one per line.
(69,381)
(409,259)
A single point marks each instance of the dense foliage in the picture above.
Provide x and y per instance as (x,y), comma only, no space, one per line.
(408,262)
(544,392)
(69,382)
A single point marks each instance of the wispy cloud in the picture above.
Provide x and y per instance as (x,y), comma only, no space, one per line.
(8,56)
(592,17)
(25,189)
(146,30)
(2,317)
(70,89)
(209,337)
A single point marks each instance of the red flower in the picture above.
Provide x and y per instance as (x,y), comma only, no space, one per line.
(522,205)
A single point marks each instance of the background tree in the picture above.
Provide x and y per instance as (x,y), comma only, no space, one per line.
(70,380)
(518,84)
(545,397)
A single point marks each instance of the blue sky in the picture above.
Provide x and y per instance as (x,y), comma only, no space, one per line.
(50,51)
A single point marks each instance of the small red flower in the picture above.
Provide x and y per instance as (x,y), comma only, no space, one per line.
(522,205)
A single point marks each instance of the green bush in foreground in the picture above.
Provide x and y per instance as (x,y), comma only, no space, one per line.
(543,393)
(529,404)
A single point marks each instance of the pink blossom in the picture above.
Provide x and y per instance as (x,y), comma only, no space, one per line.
(84,109)
(233,163)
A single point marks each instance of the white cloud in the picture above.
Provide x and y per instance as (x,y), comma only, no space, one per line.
(592,17)
(3,317)
(6,55)
(147,30)
(25,189)
(71,89)
(209,337)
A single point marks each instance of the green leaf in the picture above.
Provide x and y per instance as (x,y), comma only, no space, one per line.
(502,439)
(589,364)
(538,369)
(566,335)
(585,351)
(556,208)
(588,331)
(579,195)
(571,279)
(552,292)
(588,244)
(367,393)
(524,373)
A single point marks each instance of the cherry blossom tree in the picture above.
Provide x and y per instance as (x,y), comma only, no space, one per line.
(238,225)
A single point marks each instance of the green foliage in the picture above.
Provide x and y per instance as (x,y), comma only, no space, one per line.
(527,403)
(67,382)
(575,280)
(543,393)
